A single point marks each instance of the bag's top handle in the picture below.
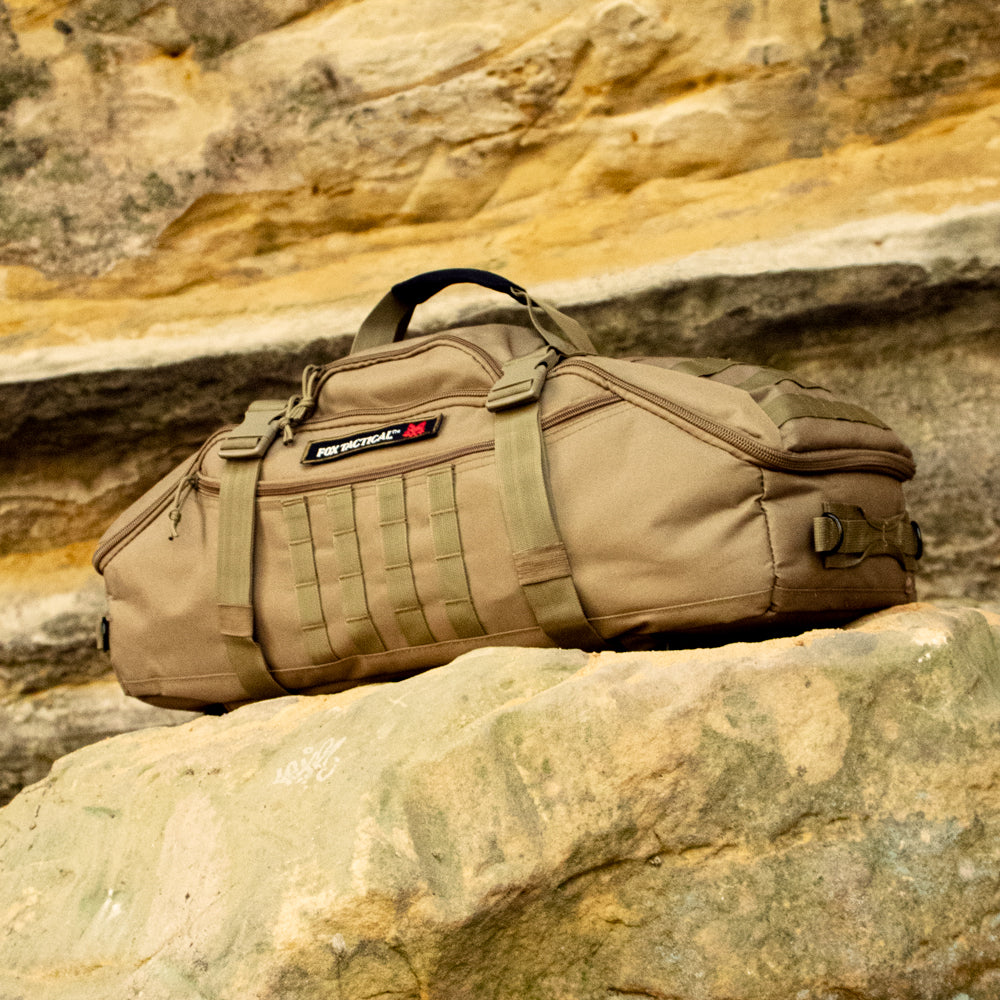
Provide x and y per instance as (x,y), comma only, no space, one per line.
(389,320)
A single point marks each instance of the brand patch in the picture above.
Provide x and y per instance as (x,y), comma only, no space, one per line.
(381,437)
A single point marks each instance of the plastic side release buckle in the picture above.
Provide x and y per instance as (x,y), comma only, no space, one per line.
(257,432)
(522,380)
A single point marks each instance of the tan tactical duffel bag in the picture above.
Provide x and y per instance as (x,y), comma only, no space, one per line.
(498,485)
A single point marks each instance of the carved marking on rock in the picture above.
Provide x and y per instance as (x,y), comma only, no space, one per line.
(315,764)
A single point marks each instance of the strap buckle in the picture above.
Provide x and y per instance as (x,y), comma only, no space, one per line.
(257,432)
(522,379)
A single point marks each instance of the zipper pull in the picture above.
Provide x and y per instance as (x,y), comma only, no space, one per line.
(184,487)
(299,407)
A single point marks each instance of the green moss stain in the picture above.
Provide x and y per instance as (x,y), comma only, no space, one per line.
(97,56)
(18,224)
(159,194)
(112,15)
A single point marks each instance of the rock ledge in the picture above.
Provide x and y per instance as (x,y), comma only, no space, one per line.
(812,817)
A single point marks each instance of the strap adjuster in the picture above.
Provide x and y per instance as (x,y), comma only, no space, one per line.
(844,536)
(257,432)
(522,380)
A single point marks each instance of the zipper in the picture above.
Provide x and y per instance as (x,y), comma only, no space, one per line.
(355,361)
(210,487)
(162,500)
(774,458)
(153,510)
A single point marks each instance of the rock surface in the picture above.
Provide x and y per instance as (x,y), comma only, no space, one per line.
(37,729)
(812,817)
(197,199)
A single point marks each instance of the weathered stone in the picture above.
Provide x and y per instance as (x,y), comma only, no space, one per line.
(212,194)
(813,817)
(227,132)
(49,609)
(39,728)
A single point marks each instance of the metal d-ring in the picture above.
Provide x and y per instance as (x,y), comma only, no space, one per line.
(840,531)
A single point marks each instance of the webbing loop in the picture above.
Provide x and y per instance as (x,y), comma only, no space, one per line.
(403,597)
(301,549)
(353,594)
(449,555)
(844,536)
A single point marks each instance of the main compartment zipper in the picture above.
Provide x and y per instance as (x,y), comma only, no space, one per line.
(180,488)
(774,458)
(210,487)
(618,390)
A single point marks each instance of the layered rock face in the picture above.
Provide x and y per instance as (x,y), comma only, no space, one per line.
(811,817)
(196,199)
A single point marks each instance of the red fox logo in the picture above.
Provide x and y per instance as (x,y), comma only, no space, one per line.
(415,430)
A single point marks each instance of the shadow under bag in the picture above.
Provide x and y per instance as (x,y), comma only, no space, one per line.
(499,485)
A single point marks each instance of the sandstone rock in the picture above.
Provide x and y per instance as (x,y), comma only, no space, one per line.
(40,727)
(813,817)
(198,198)
(211,138)
(48,615)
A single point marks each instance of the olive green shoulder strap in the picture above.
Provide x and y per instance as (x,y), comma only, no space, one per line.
(540,558)
(243,451)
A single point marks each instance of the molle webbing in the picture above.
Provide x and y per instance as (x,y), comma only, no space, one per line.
(307,594)
(761,377)
(844,537)
(449,557)
(402,588)
(354,599)
(790,405)
(780,406)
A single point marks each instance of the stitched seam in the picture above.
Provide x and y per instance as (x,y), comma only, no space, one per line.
(770,543)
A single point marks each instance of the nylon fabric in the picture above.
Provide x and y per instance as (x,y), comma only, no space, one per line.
(307,592)
(577,337)
(848,537)
(406,604)
(563,498)
(449,556)
(234,579)
(353,596)
(540,557)
(787,406)
(703,367)
(767,377)
(389,320)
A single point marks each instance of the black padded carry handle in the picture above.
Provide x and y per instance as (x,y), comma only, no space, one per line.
(389,320)
(419,289)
